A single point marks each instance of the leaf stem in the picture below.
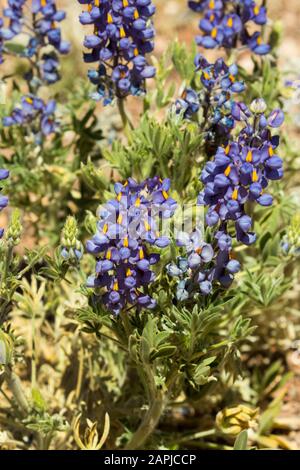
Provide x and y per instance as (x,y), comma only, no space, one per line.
(15,386)
(125,119)
(149,423)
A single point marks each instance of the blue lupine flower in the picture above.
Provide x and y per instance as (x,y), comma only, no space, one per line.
(241,172)
(203,264)
(220,83)
(196,269)
(34,110)
(225,23)
(41,27)
(126,231)
(188,104)
(4,174)
(123,34)
(238,173)
(225,268)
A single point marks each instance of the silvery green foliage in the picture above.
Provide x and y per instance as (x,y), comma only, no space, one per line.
(63,351)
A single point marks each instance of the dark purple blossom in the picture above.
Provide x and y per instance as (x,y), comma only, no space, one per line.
(37,113)
(225,23)
(241,172)
(220,84)
(122,36)
(39,21)
(126,243)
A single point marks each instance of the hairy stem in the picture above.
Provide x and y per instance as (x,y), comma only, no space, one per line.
(149,423)
(15,386)
(127,124)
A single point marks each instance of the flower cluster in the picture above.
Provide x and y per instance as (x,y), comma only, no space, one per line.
(71,247)
(225,23)
(14,231)
(238,173)
(291,242)
(41,27)
(123,34)
(4,174)
(195,270)
(34,111)
(219,85)
(202,264)
(241,172)
(127,229)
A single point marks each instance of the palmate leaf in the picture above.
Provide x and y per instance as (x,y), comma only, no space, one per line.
(169,149)
(263,288)
(201,373)
(183,60)
(154,344)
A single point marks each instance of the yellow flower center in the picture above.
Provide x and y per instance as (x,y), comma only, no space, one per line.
(230,22)
(227,171)
(256,10)
(254,176)
(249,157)
(214,33)
(122,32)
(116,286)
(235,194)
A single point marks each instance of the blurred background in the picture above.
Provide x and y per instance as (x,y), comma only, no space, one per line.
(173,19)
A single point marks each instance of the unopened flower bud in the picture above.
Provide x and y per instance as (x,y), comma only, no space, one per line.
(258,106)
(291,241)
(14,231)
(91,439)
(231,421)
(71,247)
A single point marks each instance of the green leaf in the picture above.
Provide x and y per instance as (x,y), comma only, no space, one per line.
(15,47)
(241,441)
(165,351)
(38,400)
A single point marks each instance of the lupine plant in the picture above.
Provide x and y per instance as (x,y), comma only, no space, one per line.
(150,240)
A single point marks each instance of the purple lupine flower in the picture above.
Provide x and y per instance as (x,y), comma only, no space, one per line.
(126,242)
(203,264)
(225,23)
(4,174)
(122,36)
(41,28)
(219,85)
(241,172)
(195,269)
(34,110)
(188,104)
(238,173)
